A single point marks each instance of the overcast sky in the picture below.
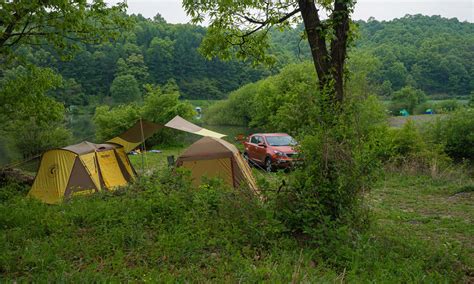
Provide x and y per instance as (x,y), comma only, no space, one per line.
(172,11)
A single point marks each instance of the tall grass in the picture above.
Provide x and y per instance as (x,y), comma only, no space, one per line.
(162,229)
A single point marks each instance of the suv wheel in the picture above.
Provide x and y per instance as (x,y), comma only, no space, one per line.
(268,165)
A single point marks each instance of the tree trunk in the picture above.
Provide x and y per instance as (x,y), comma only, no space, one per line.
(340,20)
(329,67)
(317,42)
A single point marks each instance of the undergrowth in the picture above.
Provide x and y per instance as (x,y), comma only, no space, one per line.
(161,228)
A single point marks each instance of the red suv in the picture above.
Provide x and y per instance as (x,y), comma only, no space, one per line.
(270,150)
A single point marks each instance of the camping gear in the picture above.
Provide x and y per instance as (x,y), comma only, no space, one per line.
(136,134)
(81,169)
(182,124)
(214,157)
(404,112)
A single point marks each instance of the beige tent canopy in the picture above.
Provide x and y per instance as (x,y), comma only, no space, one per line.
(136,134)
(214,157)
(182,124)
(143,129)
(81,169)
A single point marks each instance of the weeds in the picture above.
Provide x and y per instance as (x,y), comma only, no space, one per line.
(162,229)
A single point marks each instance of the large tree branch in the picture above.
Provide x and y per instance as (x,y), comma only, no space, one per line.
(21,34)
(315,32)
(9,29)
(340,20)
(268,21)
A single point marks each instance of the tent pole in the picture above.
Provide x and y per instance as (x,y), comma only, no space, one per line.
(143,146)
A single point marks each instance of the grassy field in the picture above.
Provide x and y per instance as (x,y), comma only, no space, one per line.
(422,229)
(399,121)
(157,230)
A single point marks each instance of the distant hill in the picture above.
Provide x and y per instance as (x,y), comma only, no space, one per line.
(433,53)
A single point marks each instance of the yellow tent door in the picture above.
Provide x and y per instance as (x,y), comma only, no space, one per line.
(110,169)
(80,181)
(125,162)
(53,176)
(90,163)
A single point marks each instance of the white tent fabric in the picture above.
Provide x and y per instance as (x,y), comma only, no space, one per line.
(182,124)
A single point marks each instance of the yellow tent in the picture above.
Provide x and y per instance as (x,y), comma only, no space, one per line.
(214,157)
(81,169)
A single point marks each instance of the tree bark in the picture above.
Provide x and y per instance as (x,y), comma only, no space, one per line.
(340,19)
(329,65)
(317,43)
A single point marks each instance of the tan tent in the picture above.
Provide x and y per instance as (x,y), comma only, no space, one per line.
(214,157)
(136,134)
(182,124)
(81,169)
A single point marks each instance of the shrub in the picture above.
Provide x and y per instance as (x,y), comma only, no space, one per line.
(447,106)
(456,133)
(410,151)
(407,98)
(110,122)
(161,104)
(279,102)
(236,110)
(325,200)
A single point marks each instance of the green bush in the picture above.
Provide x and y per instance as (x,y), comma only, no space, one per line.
(161,104)
(11,189)
(456,133)
(30,120)
(406,98)
(447,106)
(236,110)
(32,139)
(410,150)
(110,122)
(325,201)
(277,103)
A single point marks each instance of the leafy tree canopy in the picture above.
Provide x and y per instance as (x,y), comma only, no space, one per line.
(242,28)
(58,23)
(125,89)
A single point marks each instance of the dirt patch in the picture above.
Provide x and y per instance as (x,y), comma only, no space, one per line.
(462,196)
(399,121)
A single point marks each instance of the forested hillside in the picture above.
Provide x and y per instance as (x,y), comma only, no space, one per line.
(152,51)
(433,54)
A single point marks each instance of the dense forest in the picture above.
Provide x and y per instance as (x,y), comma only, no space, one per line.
(152,51)
(433,54)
